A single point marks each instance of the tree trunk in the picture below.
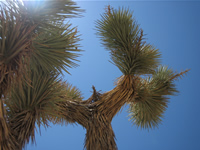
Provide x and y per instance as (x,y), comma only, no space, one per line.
(100,135)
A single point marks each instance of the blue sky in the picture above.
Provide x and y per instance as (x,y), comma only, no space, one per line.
(172,27)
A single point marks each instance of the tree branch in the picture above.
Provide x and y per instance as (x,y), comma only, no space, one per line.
(75,111)
(112,101)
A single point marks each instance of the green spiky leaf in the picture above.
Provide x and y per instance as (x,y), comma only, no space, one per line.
(147,109)
(34,102)
(121,35)
(56,48)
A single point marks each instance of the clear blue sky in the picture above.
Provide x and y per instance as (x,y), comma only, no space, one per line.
(174,28)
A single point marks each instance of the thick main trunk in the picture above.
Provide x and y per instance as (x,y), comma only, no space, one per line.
(100,135)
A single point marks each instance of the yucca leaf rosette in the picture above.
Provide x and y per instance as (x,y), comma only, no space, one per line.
(123,38)
(36,33)
(151,101)
(36,102)
(56,49)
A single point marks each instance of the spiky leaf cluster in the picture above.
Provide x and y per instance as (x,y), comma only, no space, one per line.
(35,102)
(122,36)
(73,93)
(14,47)
(34,32)
(55,48)
(151,101)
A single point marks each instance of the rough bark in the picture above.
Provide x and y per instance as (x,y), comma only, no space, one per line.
(100,135)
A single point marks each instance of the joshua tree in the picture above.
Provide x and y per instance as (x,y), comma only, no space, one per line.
(37,45)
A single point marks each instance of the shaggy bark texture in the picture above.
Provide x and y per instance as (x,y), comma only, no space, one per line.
(96,113)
